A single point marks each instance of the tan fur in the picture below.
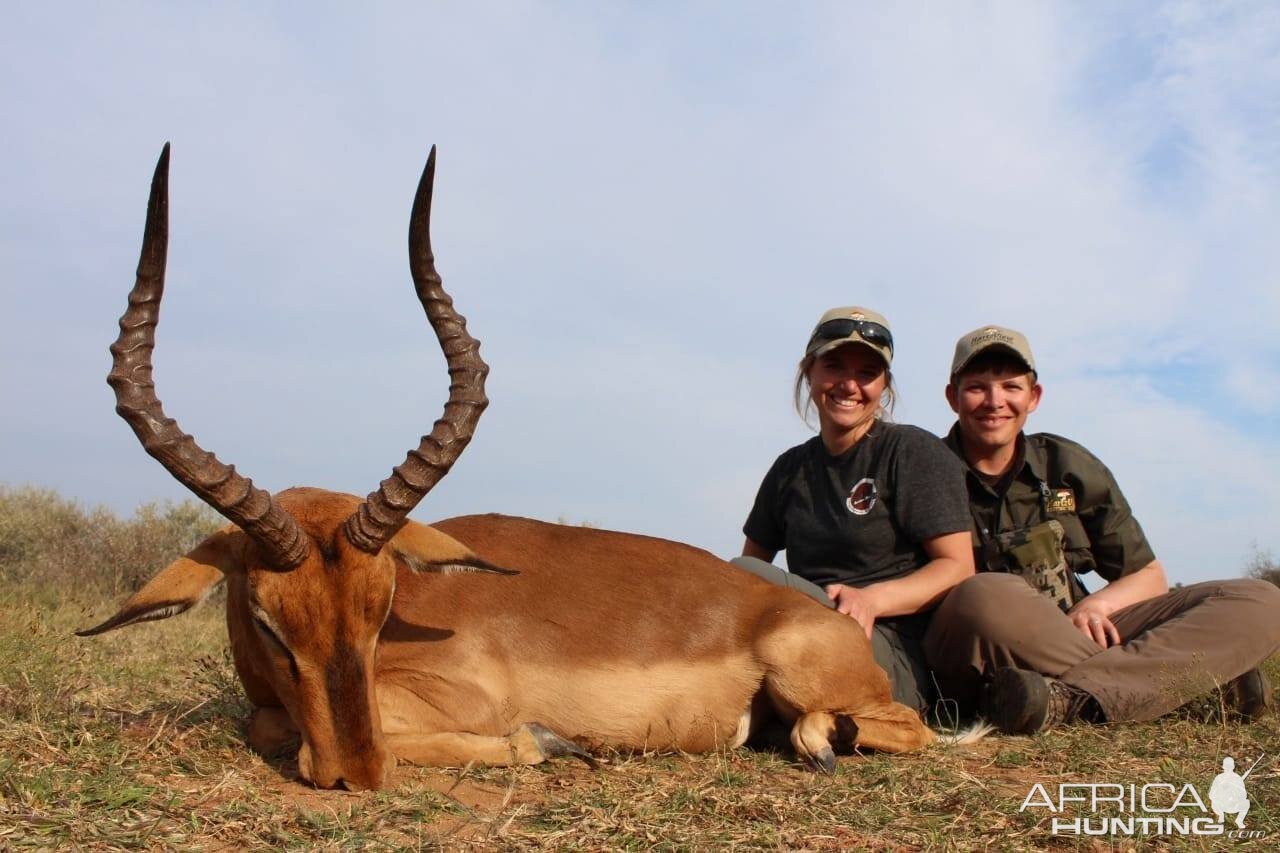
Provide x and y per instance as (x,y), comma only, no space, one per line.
(271,730)
(444,749)
(608,639)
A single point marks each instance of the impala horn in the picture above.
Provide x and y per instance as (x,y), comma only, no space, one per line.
(232,495)
(384,511)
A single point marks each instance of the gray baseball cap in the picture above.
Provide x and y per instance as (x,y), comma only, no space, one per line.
(851,325)
(971,344)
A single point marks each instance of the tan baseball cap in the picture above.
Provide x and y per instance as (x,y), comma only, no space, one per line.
(851,325)
(986,337)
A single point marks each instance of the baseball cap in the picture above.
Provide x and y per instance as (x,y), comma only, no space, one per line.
(851,324)
(984,338)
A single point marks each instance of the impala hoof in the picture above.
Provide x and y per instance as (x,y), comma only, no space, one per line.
(824,760)
(554,746)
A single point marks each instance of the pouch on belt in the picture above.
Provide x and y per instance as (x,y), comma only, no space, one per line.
(1037,554)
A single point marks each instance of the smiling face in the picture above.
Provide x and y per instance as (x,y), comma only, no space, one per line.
(992,405)
(846,385)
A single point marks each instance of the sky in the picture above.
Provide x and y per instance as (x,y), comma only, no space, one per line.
(642,209)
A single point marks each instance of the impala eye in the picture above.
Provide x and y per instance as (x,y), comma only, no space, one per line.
(261,625)
(391,600)
(266,630)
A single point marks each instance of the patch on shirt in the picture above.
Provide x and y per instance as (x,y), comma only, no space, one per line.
(1061,500)
(862,497)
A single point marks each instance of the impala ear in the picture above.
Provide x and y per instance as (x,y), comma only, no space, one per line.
(425,549)
(182,584)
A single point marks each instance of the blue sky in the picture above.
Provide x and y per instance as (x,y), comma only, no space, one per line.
(642,209)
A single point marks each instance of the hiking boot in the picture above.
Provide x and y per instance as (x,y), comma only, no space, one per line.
(1023,702)
(1249,695)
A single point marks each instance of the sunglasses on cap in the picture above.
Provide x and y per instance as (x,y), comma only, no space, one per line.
(844,327)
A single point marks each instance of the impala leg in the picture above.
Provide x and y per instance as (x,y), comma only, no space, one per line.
(529,744)
(891,727)
(838,699)
(271,731)
(818,736)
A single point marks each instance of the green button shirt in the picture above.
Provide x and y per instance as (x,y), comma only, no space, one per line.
(1056,478)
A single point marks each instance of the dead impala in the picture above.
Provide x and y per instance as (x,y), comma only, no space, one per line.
(485,638)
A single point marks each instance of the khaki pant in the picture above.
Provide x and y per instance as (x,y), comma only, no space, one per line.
(896,643)
(1174,647)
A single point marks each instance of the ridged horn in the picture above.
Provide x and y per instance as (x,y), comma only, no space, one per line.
(384,511)
(232,495)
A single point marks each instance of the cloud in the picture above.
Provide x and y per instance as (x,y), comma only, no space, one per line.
(1200,489)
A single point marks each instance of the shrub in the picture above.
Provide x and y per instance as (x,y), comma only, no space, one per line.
(1263,565)
(49,541)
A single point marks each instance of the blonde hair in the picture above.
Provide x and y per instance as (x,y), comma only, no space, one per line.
(804,402)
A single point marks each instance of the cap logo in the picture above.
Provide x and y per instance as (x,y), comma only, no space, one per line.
(857,315)
(990,336)
(862,497)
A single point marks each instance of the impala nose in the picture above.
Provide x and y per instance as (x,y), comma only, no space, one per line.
(370,775)
(373,782)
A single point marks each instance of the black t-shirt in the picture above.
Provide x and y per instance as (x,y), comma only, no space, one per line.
(863,516)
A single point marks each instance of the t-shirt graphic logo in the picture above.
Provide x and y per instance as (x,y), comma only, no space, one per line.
(862,497)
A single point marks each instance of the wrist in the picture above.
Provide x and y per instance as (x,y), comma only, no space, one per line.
(872,598)
(1097,604)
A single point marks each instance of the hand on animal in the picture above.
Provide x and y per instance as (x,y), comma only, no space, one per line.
(854,602)
(1093,620)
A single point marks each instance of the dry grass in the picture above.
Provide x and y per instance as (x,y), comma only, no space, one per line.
(136,739)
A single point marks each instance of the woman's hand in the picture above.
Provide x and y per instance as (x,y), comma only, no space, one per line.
(1093,619)
(855,602)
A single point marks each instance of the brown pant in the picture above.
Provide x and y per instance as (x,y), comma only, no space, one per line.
(1174,647)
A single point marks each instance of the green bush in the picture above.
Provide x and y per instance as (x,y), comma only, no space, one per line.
(49,541)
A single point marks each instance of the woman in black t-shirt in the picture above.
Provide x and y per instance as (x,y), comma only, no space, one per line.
(873,515)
